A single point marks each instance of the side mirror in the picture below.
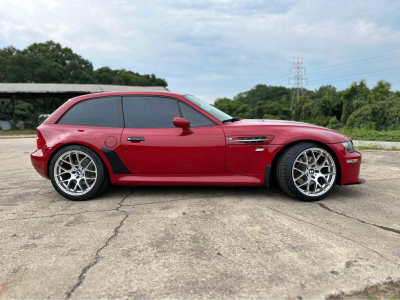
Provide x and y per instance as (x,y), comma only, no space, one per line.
(182,123)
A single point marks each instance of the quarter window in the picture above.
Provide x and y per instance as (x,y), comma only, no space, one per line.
(94,112)
(150,112)
(195,118)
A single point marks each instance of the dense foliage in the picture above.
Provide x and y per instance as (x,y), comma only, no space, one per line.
(356,107)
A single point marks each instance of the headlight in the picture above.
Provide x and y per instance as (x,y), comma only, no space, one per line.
(349,146)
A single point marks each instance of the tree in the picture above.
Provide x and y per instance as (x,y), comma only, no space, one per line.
(356,107)
(49,62)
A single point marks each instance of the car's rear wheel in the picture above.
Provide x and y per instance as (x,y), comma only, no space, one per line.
(306,171)
(78,173)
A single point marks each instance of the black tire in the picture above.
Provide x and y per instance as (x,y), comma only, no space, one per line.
(284,172)
(102,181)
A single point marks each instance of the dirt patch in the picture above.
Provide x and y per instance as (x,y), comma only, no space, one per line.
(389,290)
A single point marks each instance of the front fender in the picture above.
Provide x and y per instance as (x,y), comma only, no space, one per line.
(284,136)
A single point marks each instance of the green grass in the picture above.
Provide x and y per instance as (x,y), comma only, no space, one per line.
(371,135)
(388,290)
(376,147)
(17,132)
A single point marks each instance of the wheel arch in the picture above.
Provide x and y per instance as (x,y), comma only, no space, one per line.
(107,166)
(322,145)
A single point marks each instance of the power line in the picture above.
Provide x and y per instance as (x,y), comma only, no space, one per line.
(360,74)
(340,66)
(359,78)
(286,75)
(352,62)
(351,66)
(368,38)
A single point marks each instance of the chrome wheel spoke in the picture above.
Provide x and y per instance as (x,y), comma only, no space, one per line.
(75,180)
(79,183)
(305,182)
(67,162)
(76,185)
(313,156)
(80,162)
(65,170)
(301,175)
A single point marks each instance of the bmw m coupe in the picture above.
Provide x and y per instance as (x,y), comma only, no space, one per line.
(163,138)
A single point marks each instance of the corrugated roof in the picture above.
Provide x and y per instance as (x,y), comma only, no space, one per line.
(41,88)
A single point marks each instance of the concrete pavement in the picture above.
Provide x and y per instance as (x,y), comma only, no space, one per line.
(195,242)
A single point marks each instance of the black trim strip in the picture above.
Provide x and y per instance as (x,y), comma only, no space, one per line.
(115,161)
(120,112)
(266,176)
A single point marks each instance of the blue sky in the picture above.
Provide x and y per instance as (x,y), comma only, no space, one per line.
(219,48)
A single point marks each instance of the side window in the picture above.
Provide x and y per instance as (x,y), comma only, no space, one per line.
(150,112)
(101,112)
(195,118)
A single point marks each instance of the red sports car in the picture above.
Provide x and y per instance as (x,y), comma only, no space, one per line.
(163,138)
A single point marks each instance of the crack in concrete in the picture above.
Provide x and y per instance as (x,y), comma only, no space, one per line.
(181,199)
(42,208)
(82,276)
(128,205)
(335,233)
(354,218)
(42,187)
(192,198)
(56,215)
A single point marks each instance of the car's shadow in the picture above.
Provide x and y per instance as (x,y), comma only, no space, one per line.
(145,194)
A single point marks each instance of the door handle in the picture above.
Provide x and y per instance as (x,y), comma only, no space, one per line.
(135,138)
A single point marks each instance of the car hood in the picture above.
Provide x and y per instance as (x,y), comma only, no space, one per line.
(284,131)
(273,122)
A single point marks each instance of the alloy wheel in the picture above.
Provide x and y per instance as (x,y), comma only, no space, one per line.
(75,172)
(314,172)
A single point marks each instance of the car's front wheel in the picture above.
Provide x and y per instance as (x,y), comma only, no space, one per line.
(306,171)
(78,173)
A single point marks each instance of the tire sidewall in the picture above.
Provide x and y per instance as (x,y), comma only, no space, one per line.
(288,172)
(101,176)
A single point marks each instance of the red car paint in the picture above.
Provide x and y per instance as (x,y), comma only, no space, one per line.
(208,156)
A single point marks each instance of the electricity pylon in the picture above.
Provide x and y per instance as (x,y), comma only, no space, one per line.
(298,70)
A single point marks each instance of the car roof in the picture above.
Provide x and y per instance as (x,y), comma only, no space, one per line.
(128,93)
(71,102)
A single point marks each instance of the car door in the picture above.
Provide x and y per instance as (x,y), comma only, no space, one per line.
(153,145)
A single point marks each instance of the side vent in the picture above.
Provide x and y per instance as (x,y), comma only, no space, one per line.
(245,140)
(253,140)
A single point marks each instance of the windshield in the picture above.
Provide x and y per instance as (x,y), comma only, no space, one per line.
(220,115)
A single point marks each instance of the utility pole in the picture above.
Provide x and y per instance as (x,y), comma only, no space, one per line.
(298,70)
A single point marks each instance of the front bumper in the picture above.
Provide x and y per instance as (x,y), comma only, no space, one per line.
(350,164)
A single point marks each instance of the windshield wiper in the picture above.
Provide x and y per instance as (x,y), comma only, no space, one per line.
(231,120)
